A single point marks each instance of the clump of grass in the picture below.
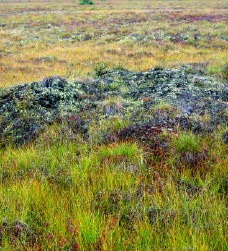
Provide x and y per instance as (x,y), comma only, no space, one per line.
(112,101)
(163,107)
(188,151)
(186,142)
(99,130)
(116,123)
(126,150)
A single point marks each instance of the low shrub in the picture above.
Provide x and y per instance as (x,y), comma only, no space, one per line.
(85,2)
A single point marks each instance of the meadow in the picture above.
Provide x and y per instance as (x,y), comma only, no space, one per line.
(46,39)
(155,189)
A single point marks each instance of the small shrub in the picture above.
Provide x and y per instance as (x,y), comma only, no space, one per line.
(100,69)
(85,2)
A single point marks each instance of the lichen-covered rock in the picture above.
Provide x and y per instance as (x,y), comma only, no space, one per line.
(198,102)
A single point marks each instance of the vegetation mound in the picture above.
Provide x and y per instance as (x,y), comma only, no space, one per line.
(183,97)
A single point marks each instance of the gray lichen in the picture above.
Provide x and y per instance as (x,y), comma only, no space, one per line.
(26,109)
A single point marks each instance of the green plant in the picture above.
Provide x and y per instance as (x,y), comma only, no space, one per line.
(186,142)
(163,107)
(224,72)
(121,150)
(85,2)
(100,69)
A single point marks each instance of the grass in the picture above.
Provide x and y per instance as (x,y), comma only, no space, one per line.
(71,41)
(59,193)
(186,142)
(76,195)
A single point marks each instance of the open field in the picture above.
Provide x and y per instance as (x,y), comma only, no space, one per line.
(112,159)
(42,39)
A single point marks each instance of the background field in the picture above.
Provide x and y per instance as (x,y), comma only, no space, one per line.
(63,191)
(55,38)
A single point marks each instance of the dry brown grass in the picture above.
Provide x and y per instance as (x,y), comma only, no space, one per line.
(26,40)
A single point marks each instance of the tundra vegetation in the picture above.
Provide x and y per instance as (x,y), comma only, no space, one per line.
(124,146)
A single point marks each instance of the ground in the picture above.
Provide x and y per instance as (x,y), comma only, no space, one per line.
(113,125)
(43,39)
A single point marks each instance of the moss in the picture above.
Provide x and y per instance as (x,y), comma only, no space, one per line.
(158,95)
